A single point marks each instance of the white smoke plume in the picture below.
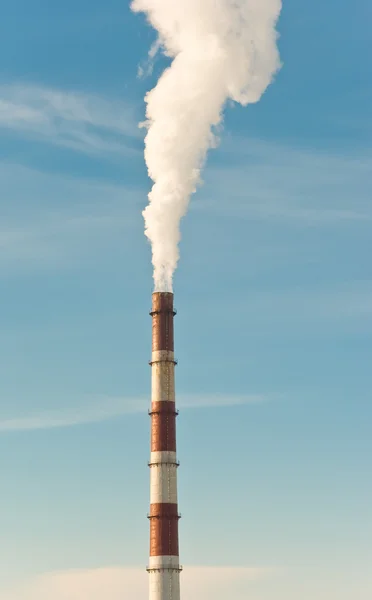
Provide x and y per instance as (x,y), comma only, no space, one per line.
(221,50)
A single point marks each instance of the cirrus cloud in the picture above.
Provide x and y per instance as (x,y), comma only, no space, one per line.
(88,123)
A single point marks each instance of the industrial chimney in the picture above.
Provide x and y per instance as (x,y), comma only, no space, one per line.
(164,568)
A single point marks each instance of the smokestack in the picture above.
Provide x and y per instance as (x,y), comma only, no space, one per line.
(164,567)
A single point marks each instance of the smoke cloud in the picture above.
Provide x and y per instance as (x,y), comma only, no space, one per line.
(222,50)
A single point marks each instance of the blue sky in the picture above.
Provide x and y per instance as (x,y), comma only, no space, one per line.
(273,337)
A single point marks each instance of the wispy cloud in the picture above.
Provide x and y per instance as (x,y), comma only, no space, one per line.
(55,240)
(84,122)
(50,220)
(309,309)
(112,583)
(109,408)
(251,178)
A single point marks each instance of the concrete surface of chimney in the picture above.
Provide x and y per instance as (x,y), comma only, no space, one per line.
(164,567)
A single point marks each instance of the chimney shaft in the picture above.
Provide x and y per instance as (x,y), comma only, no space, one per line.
(164,567)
